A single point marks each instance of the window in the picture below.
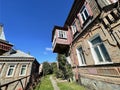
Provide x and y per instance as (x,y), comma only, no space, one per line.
(62,34)
(23,70)
(81,57)
(99,51)
(84,14)
(74,28)
(10,71)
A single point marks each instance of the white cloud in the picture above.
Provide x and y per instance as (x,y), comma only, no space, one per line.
(48,49)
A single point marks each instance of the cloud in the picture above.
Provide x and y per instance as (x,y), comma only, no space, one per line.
(48,49)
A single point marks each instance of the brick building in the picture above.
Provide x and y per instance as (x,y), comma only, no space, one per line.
(90,38)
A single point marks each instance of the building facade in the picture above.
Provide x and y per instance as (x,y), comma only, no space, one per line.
(94,43)
(18,70)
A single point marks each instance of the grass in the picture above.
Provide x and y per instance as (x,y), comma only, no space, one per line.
(45,84)
(69,86)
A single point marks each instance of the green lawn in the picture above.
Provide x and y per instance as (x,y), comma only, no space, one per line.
(45,84)
(70,86)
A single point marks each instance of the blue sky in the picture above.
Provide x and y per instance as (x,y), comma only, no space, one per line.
(28,24)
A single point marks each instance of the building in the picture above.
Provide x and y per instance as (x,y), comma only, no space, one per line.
(18,70)
(90,38)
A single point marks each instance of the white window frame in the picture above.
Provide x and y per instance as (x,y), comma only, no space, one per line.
(62,34)
(96,59)
(81,59)
(74,28)
(22,69)
(12,71)
(82,12)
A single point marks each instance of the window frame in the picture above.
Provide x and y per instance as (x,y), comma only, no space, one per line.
(74,27)
(83,15)
(94,54)
(79,54)
(21,68)
(62,34)
(9,70)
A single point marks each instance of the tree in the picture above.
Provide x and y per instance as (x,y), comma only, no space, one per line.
(54,67)
(47,69)
(65,70)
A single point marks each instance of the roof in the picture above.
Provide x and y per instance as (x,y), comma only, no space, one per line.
(73,12)
(16,53)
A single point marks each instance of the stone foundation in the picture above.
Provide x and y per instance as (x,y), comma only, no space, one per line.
(93,84)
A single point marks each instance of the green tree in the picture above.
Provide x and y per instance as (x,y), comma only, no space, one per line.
(47,69)
(54,67)
(65,70)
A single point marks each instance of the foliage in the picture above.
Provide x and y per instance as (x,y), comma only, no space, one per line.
(65,70)
(70,86)
(47,69)
(54,67)
(45,84)
(59,74)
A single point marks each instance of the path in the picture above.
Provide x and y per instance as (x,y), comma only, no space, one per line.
(54,83)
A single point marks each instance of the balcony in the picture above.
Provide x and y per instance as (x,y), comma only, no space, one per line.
(61,39)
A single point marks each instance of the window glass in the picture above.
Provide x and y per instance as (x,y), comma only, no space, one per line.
(104,52)
(100,50)
(23,70)
(84,14)
(62,34)
(10,70)
(74,28)
(98,54)
(81,55)
(96,41)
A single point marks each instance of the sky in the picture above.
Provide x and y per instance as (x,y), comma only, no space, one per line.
(28,24)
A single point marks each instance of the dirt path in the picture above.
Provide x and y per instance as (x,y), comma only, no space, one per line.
(54,83)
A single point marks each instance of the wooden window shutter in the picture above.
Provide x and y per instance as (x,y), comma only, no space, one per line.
(89,9)
(81,20)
